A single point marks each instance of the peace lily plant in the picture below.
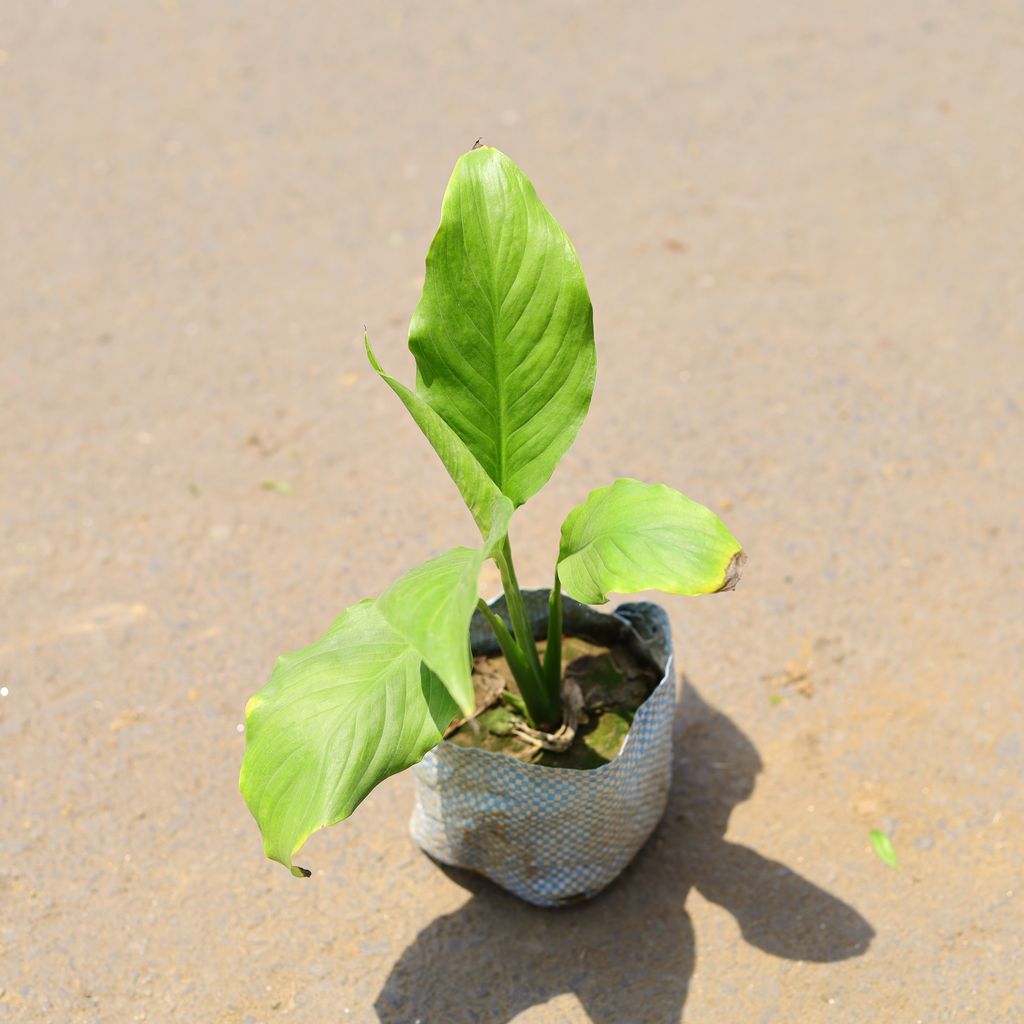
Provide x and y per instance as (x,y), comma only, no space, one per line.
(503,339)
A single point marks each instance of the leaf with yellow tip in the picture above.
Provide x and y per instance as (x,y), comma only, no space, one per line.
(632,536)
(334,720)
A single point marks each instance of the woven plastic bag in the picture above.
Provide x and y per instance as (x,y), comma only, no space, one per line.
(555,835)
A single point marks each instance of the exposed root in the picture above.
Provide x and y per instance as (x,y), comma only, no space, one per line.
(557,742)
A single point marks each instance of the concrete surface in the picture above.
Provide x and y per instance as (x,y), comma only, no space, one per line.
(802,226)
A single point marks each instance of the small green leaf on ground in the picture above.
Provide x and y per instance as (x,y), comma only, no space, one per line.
(882,845)
(775,699)
(277,486)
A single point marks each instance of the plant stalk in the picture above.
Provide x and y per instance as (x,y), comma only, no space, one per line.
(517,663)
(544,703)
(553,651)
(521,628)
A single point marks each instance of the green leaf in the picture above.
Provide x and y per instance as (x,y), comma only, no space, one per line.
(478,490)
(882,846)
(278,486)
(334,720)
(431,607)
(633,536)
(503,334)
(367,700)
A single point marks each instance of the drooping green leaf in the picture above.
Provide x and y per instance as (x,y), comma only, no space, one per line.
(503,333)
(633,536)
(432,605)
(498,519)
(430,609)
(334,720)
(478,490)
(368,699)
(882,845)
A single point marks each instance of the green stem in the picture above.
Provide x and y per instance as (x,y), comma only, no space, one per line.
(553,651)
(517,663)
(545,703)
(521,627)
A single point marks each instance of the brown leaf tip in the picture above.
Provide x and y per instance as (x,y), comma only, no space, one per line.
(734,571)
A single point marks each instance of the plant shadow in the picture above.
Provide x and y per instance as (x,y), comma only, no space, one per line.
(628,955)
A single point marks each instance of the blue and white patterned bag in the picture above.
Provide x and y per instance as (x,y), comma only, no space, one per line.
(555,835)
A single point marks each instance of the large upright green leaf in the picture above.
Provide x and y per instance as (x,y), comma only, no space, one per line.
(334,720)
(634,536)
(503,333)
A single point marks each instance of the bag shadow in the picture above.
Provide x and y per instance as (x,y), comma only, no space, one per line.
(628,954)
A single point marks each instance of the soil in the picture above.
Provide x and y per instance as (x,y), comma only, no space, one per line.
(612,684)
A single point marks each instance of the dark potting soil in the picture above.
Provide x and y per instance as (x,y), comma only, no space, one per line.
(613,684)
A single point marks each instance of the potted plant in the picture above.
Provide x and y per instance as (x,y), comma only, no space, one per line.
(558,717)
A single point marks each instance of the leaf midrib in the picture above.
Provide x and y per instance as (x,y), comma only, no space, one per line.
(643,531)
(497,309)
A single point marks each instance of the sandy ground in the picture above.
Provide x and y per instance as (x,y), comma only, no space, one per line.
(802,226)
